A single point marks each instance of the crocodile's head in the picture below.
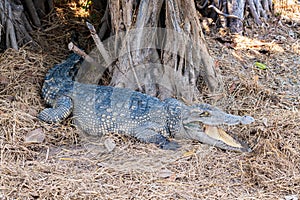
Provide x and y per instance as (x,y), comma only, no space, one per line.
(59,79)
(201,121)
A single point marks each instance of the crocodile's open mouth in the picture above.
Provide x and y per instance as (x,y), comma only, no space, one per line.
(220,135)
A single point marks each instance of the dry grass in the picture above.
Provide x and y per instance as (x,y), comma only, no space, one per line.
(67,165)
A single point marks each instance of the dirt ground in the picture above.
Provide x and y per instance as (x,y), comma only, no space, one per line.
(64,164)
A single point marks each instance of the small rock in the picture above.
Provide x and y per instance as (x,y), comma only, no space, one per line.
(165,173)
(265,121)
(291,34)
(291,197)
(109,144)
(35,136)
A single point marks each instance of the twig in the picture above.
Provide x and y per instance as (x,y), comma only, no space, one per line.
(75,49)
(99,44)
(223,14)
(92,73)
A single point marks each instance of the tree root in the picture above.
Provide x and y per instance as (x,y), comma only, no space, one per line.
(14,23)
(233,12)
(161,62)
(223,14)
(259,9)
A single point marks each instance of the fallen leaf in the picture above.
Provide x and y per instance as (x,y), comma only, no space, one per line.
(232,88)
(35,136)
(260,65)
(32,112)
(188,153)
(4,80)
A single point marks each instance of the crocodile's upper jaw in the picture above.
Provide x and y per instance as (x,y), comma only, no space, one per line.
(201,123)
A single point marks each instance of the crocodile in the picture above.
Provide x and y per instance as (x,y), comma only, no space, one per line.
(99,110)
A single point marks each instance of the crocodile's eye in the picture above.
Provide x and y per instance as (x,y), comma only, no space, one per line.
(204,114)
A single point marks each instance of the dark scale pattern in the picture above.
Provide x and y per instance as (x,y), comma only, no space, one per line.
(138,106)
(103,96)
(102,109)
(59,79)
(174,108)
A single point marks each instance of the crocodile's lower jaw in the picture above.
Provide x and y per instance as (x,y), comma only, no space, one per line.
(219,134)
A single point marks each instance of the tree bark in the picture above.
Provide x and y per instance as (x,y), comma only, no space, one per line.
(15,27)
(159,48)
(32,12)
(232,11)
(236,8)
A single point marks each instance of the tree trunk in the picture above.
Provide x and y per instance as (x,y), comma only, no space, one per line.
(158,48)
(233,11)
(236,8)
(15,26)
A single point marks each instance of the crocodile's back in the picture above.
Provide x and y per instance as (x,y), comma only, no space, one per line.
(101,109)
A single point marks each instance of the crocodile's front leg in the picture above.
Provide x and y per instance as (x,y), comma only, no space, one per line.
(61,110)
(148,135)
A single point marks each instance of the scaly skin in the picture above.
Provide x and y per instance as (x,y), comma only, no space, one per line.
(98,110)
